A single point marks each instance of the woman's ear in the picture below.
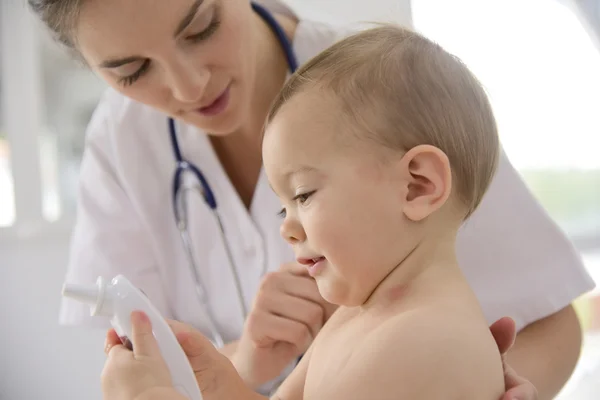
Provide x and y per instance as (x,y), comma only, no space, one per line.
(429,181)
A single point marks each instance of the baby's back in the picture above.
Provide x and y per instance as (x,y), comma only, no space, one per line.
(440,348)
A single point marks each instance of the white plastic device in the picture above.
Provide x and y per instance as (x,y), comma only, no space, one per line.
(117,299)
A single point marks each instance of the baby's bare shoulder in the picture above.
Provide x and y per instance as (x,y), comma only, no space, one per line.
(434,325)
(424,354)
(437,334)
(427,330)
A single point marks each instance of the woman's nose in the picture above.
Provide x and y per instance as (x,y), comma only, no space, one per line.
(188,81)
(292,231)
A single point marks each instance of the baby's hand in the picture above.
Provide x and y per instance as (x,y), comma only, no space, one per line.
(215,374)
(138,374)
(142,374)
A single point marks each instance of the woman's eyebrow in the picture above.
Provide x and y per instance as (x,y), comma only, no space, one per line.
(180,28)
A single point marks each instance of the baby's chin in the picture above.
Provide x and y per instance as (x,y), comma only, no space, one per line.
(336,292)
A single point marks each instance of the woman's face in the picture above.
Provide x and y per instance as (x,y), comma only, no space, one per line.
(192,59)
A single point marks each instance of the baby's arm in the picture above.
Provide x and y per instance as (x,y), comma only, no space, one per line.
(408,359)
(293,386)
(162,394)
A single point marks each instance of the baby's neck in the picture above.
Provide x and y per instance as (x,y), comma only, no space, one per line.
(430,264)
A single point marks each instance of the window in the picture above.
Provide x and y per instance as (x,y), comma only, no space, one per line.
(70,92)
(7,200)
(46,100)
(540,67)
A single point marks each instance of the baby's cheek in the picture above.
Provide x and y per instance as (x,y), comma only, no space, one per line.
(329,229)
(342,247)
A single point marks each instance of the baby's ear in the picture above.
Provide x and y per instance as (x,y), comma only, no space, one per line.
(429,181)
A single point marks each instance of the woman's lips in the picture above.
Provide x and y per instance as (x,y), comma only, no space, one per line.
(217,106)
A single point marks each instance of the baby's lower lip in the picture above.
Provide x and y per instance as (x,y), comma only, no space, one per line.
(316,267)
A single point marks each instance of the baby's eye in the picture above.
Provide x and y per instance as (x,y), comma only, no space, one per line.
(301,198)
(282,213)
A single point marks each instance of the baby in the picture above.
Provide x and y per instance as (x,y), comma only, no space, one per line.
(379,149)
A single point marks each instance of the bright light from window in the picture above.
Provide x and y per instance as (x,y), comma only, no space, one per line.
(7,197)
(540,68)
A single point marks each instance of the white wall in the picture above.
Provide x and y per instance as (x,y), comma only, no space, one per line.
(398,11)
(38,358)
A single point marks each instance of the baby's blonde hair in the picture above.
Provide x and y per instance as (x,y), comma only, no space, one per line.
(403,90)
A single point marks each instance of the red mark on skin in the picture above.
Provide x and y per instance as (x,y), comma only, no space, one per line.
(397,292)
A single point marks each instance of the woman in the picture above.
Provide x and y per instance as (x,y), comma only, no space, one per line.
(215,66)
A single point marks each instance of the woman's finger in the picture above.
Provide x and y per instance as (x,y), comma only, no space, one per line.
(504,332)
(525,391)
(512,379)
(517,387)
(294,285)
(295,269)
(303,287)
(292,279)
(143,340)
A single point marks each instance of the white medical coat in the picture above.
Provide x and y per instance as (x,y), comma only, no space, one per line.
(516,259)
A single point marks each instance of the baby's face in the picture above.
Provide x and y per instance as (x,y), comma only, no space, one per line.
(342,206)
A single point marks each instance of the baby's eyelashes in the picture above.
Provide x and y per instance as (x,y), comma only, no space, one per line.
(282,213)
(300,198)
(303,197)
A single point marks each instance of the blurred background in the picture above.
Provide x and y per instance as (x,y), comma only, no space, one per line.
(539,60)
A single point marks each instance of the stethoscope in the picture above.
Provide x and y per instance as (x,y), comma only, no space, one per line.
(181,187)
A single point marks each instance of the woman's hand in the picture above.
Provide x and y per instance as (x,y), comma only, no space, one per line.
(287,315)
(517,388)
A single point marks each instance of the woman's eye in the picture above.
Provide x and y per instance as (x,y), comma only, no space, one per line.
(206,33)
(130,79)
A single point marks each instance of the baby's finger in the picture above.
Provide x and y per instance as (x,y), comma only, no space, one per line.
(118,361)
(112,339)
(143,341)
(118,352)
(178,327)
(205,359)
(195,345)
